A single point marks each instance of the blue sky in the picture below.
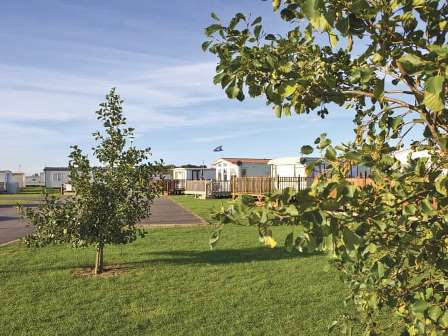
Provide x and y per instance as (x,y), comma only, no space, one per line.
(58,58)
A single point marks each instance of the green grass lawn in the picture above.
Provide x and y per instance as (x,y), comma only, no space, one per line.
(27,195)
(171,285)
(29,192)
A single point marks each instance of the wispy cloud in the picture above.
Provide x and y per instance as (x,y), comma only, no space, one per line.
(60,58)
(34,94)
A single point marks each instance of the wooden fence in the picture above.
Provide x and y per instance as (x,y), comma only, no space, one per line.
(261,185)
(256,186)
(360,181)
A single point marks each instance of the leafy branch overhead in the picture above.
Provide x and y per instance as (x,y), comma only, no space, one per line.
(386,61)
(380,53)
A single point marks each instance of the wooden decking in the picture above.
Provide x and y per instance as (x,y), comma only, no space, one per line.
(254,186)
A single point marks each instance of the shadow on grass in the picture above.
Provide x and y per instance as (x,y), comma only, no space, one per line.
(14,205)
(7,218)
(183,257)
(227,256)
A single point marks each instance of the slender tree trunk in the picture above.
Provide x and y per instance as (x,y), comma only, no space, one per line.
(99,264)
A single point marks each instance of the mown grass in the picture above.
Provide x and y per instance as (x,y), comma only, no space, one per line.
(171,284)
(31,192)
(27,195)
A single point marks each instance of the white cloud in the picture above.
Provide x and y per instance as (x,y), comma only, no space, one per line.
(34,94)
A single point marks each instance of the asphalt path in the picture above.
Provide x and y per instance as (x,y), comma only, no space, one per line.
(165,212)
(12,227)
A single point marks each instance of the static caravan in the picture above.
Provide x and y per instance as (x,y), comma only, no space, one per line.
(296,167)
(289,166)
(35,180)
(19,178)
(7,184)
(405,154)
(240,167)
(193,173)
(55,177)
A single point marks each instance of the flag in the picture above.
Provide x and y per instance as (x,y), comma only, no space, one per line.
(218,149)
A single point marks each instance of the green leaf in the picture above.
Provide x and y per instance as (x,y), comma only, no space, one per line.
(306,150)
(419,307)
(342,25)
(310,168)
(275,4)
(444,320)
(334,39)
(323,141)
(378,91)
(257,31)
(210,30)
(257,21)
(288,89)
(410,63)
(441,184)
(328,243)
(278,111)
(434,312)
(292,211)
(214,238)
(232,90)
(205,45)
(432,97)
(426,207)
(380,269)
(396,122)
(349,190)
(349,43)
(289,242)
(330,153)
(214,16)
(377,58)
(409,210)
(314,11)
(351,239)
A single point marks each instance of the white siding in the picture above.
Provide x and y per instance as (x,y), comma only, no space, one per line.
(256,169)
(193,173)
(225,170)
(19,178)
(56,178)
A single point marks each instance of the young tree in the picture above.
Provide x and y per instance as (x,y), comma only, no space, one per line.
(110,199)
(387,61)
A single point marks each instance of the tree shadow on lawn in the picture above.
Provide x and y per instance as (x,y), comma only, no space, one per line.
(183,257)
(7,218)
(26,205)
(226,256)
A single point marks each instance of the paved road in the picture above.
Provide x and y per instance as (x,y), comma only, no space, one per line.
(165,212)
(11,226)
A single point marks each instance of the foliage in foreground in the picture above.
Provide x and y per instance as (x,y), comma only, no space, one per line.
(389,239)
(109,199)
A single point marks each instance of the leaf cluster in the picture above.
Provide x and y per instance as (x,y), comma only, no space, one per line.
(110,198)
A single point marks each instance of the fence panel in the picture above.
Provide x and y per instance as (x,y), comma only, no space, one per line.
(246,185)
(196,185)
(263,185)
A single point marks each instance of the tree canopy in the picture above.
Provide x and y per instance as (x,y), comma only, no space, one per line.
(110,198)
(387,62)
